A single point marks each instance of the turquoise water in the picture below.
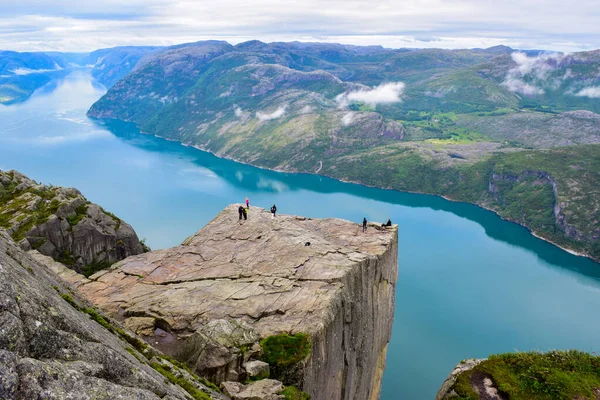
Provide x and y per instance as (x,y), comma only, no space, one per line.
(470,284)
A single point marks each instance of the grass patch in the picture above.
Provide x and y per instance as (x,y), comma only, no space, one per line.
(293,393)
(181,382)
(283,350)
(543,376)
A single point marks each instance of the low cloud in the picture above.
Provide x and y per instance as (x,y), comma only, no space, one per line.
(348,118)
(591,92)
(385,93)
(29,71)
(530,73)
(274,115)
(519,86)
(306,110)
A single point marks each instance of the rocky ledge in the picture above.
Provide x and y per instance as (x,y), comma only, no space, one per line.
(209,300)
(61,223)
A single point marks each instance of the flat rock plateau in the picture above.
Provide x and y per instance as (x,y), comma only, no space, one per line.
(263,276)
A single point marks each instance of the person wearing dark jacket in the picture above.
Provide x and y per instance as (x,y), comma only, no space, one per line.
(364,225)
(241,212)
(389,223)
(273,210)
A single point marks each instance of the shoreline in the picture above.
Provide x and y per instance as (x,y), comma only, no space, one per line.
(533,233)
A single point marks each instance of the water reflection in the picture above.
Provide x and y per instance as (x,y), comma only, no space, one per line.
(253,179)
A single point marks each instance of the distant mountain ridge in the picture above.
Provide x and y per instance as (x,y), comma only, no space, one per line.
(23,73)
(487,126)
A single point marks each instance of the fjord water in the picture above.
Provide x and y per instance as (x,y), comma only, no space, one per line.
(470,284)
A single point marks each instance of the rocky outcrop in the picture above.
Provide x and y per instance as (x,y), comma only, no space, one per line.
(61,223)
(50,348)
(210,296)
(447,389)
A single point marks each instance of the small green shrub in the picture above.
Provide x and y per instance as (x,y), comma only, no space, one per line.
(93,267)
(283,350)
(292,393)
(80,213)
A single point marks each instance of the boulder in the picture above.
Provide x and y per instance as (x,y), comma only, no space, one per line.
(257,369)
(266,389)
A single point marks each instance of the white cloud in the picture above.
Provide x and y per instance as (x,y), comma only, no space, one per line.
(518,86)
(28,71)
(306,110)
(531,73)
(275,186)
(273,115)
(348,118)
(67,25)
(383,94)
(591,92)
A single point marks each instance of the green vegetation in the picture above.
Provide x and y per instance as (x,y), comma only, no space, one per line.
(138,344)
(284,350)
(95,266)
(292,393)
(543,376)
(456,127)
(67,258)
(80,213)
(114,218)
(179,381)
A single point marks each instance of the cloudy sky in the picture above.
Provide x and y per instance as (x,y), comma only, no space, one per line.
(84,25)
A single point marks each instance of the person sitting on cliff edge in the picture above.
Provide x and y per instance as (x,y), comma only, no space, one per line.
(389,223)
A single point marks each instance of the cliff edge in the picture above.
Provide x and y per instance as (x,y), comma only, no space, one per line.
(265,276)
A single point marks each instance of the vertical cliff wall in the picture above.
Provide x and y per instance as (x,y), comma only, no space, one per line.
(348,356)
(207,300)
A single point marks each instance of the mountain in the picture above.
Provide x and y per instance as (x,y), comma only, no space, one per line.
(515,132)
(23,73)
(110,65)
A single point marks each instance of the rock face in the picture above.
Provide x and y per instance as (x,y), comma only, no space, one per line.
(61,223)
(269,275)
(51,349)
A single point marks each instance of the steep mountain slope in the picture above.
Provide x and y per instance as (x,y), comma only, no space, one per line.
(110,65)
(433,121)
(55,345)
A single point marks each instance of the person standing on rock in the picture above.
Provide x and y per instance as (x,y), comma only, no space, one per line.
(247,203)
(364,225)
(245,210)
(241,212)
(273,211)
